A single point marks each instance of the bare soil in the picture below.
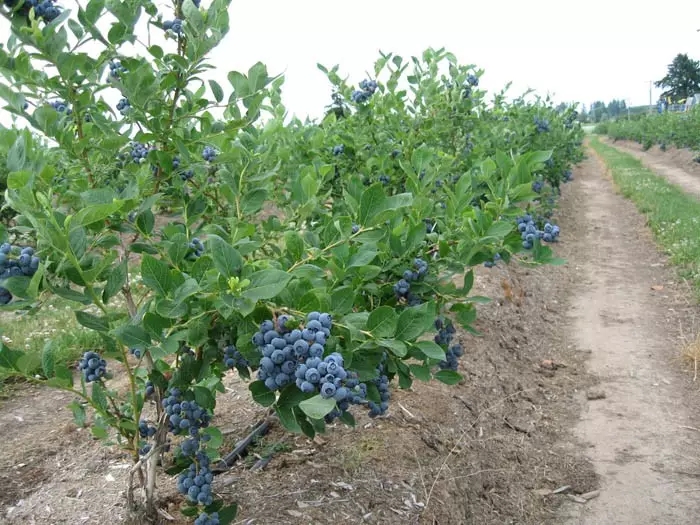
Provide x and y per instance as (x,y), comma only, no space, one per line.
(487,451)
(677,165)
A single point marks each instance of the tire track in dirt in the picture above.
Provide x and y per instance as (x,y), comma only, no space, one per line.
(641,435)
(686,181)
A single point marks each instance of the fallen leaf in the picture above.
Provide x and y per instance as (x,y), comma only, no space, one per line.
(657,287)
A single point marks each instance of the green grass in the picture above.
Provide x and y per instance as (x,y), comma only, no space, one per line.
(54,322)
(672,214)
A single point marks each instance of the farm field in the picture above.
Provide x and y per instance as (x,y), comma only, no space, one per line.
(610,321)
(434,304)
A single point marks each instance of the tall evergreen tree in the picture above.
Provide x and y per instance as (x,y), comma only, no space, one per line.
(682,79)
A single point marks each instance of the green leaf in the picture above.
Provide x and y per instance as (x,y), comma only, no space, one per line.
(115,280)
(79,414)
(500,229)
(133,336)
(363,257)
(99,324)
(294,244)
(421,372)
(170,309)
(342,300)
(216,438)
(398,348)
(317,407)
(48,359)
(468,282)
(261,394)
(449,377)
(288,418)
(204,397)
(92,214)
(156,275)
(382,322)
(216,90)
(228,514)
(431,349)
(185,290)
(414,322)
(348,419)
(372,203)
(145,222)
(98,396)
(226,258)
(266,284)
(16,157)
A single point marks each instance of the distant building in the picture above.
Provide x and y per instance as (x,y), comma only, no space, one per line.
(692,101)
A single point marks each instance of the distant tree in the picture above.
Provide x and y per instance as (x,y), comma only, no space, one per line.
(682,79)
(598,111)
(616,108)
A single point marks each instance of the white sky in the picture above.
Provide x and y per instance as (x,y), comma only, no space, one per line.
(596,50)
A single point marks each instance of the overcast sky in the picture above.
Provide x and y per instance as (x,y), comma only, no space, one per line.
(576,52)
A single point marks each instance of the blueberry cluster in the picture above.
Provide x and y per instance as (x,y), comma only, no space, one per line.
(537,186)
(14,262)
(139,151)
(446,332)
(529,231)
(145,430)
(196,481)
(542,125)
(204,518)
(209,153)
(45,10)
(382,384)
(115,70)
(173,25)
(339,149)
(92,366)
(61,107)
(123,106)
(384,179)
(493,262)
(367,89)
(472,80)
(184,416)
(150,388)
(568,176)
(296,354)
(195,249)
(185,175)
(282,349)
(233,358)
(402,289)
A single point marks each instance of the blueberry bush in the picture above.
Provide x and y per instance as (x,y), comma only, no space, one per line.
(666,129)
(324,261)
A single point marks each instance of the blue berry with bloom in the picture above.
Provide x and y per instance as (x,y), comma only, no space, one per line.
(209,153)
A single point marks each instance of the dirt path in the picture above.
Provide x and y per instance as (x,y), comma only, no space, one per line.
(643,434)
(674,167)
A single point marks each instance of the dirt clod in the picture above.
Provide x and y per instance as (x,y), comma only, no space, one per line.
(594,394)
